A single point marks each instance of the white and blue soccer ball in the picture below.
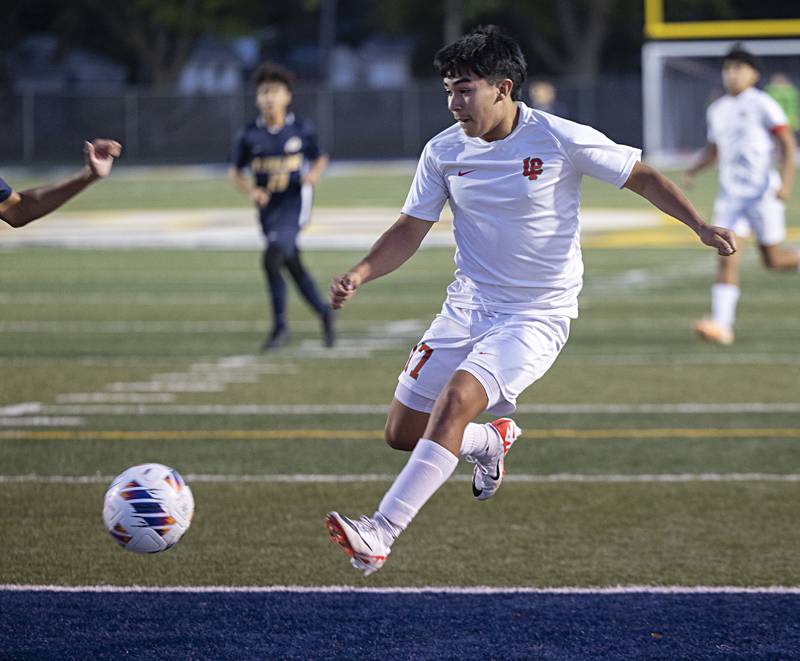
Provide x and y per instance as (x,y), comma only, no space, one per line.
(148,508)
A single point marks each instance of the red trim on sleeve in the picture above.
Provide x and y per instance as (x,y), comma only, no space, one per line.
(778,128)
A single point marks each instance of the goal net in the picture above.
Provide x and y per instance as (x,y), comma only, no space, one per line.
(681,78)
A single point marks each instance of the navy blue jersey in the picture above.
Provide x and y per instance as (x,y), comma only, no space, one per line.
(277,160)
(5,191)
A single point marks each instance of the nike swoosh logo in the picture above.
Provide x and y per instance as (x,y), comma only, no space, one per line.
(477,492)
(461,173)
(350,523)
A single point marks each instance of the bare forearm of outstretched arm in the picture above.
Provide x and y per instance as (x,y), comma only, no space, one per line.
(707,157)
(240,181)
(788,147)
(664,195)
(28,205)
(394,247)
(315,171)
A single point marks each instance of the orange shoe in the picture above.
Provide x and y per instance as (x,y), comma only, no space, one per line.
(711,331)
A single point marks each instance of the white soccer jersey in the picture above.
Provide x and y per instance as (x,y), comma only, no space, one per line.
(515,204)
(741,127)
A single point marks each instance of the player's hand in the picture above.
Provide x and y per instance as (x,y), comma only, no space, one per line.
(100,154)
(311,178)
(343,288)
(782,193)
(718,237)
(260,196)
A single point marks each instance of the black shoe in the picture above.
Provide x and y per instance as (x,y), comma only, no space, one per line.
(277,338)
(328,333)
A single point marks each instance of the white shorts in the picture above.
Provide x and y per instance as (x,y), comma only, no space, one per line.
(505,352)
(765,216)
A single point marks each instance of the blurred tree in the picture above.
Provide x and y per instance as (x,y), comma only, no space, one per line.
(154,38)
(563,36)
(559,37)
(161,34)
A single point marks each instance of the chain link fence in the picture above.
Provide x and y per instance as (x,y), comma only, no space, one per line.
(167,128)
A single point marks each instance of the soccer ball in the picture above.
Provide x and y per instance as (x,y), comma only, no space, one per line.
(148,508)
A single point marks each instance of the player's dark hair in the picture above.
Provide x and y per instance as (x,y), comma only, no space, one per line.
(738,53)
(273,73)
(488,53)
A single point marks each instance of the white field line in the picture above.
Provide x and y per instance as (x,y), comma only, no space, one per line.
(684,408)
(723,356)
(116,398)
(385,477)
(36,298)
(347,589)
(226,326)
(591,294)
(41,421)
(640,324)
(599,284)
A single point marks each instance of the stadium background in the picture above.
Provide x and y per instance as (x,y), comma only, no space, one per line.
(651,512)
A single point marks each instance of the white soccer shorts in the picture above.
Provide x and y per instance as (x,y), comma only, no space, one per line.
(505,352)
(765,216)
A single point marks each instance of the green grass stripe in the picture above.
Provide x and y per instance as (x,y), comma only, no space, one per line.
(741,534)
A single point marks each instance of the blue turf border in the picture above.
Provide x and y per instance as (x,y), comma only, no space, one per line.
(298,625)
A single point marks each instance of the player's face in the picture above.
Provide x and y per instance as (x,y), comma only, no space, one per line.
(476,104)
(738,76)
(273,98)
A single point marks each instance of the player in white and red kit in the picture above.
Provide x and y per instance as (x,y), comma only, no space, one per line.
(512,176)
(743,128)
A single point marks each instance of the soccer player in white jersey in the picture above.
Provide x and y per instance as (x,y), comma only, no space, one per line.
(512,176)
(743,127)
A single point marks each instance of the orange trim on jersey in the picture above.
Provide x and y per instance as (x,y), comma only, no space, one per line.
(779,128)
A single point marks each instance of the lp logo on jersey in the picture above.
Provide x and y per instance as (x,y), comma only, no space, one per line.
(532,168)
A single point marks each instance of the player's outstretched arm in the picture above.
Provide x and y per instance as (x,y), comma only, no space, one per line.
(666,196)
(26,206)
(392,249)
(256,194)
(314,173)
(788,147)
(707,157)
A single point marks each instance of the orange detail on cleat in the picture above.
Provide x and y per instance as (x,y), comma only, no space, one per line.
(711,331)
(337,535)
(508,434)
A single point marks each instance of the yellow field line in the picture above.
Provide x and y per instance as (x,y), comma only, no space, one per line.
(669,234)
(295,434)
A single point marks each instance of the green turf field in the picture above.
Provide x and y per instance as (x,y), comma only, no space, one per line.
(381,187)
(82,331)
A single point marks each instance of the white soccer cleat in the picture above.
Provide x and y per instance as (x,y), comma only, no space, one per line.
(362,540)
(711,331)
(487,477)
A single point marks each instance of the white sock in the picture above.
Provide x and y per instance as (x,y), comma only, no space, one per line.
(480,441)
(428,468)
(390,531)
(723,304)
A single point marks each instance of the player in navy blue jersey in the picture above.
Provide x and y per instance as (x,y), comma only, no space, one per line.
(285,161)
(20,208)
